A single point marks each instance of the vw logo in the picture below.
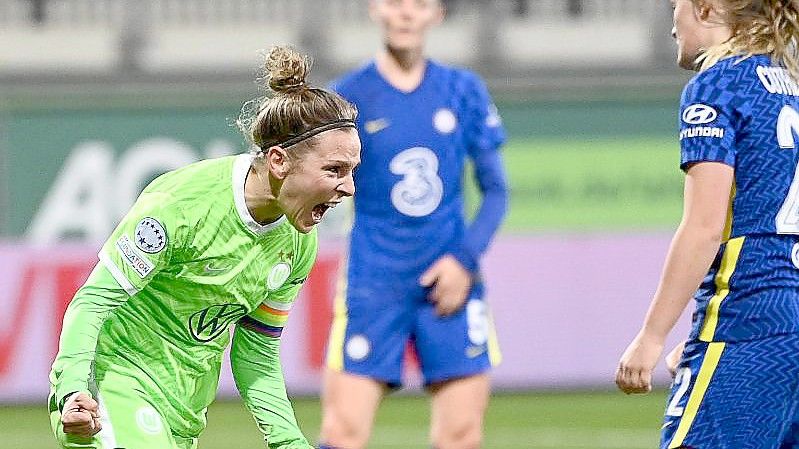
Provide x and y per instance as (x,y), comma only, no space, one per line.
(698,114)
(209,323)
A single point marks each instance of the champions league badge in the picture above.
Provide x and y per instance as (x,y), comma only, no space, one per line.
(150,235)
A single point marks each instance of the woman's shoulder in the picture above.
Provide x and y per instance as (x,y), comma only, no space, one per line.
(353,78)
(729,71)
(453,72)
(458,81)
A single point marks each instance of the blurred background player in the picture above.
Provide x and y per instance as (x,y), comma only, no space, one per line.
(220,241)
(737,382)
(412,277)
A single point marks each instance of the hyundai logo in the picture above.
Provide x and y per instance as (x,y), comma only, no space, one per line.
(698,114)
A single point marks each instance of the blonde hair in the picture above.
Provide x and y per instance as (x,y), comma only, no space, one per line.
(292,107)
(758,27)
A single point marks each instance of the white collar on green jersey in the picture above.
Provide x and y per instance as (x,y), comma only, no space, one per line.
(241,166)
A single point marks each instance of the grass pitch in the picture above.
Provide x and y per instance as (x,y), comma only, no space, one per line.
(531,420)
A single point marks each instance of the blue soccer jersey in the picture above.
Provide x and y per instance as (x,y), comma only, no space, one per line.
(409,213)
(409,206)
(745,113)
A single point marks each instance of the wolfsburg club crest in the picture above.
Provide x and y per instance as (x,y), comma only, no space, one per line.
(278,276)
(209,323)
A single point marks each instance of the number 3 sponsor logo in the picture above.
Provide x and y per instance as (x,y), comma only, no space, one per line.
(420,190)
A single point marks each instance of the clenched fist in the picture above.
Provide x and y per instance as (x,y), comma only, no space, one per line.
(80,416)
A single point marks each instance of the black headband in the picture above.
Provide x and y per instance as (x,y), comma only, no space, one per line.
(340,123)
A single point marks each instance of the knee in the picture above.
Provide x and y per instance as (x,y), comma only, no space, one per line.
(465,435)
(342,432)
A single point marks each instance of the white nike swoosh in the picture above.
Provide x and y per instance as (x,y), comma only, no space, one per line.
(373,126)
(690,358)
(212,269)
(666,424)
(474,351)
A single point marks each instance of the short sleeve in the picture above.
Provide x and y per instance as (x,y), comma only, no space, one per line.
(143,242)
(708,119)
(271,315)
(484,131)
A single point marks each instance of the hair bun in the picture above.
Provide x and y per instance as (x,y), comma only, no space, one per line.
(286,68)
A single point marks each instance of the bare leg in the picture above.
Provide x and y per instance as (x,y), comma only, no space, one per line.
(458,407)
(349,404)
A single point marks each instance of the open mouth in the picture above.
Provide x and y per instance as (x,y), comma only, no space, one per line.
(319,210)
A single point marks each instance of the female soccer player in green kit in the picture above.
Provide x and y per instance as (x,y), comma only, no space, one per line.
(221,241)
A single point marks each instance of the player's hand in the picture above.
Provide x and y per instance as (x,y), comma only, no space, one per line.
(450,283)
(80,416)
(634,374)
(673,358)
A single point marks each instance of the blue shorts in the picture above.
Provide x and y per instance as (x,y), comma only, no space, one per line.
(370,334)
(735,395)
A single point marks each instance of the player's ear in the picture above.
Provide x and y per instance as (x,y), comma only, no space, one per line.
(704,9)
(277,161)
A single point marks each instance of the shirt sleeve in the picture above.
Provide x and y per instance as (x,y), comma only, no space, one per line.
(484,130)
(255,360)
(90,307)
(144,241)
(485,135)
(709,119)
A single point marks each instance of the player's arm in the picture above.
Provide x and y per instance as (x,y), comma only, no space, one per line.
(84,317)
(451,276)
(124,269)
(708,160)
(255,360)
(90,307)
(693,248)
(485,137)
(492,182)
(255,357)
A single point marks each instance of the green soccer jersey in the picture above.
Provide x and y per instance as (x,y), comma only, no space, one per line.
(193,261)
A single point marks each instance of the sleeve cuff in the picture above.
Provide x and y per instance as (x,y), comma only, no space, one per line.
(64,401)
(685,164)
(466,258)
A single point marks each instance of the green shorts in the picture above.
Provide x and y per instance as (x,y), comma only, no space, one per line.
(129,419)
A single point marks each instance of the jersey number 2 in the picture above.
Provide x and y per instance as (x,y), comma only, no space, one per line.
(787,221)
(683,379)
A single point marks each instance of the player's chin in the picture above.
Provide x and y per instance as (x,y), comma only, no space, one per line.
(686,61)
(306,221)
(303,226)
(406,42)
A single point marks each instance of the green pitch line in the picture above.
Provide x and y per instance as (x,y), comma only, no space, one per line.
(553,420)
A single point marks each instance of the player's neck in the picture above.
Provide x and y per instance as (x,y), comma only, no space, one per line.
(403,69)
(261,202)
